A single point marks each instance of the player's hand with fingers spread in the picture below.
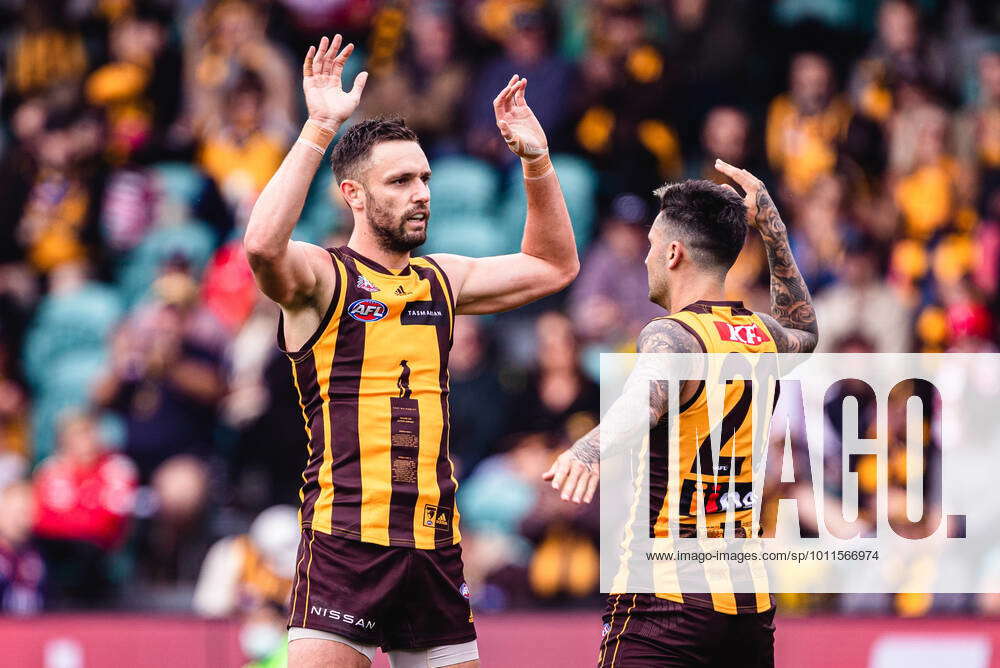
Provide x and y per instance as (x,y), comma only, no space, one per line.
(574,476)
(762,215)
(328,103)
(518,125)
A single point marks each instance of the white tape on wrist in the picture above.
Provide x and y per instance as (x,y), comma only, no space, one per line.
(314,146)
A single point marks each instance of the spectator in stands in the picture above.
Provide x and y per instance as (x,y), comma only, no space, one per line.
(22,571)
(478,404)
(527,51)
(241,573)
(224,39)
(805,125)
(706,52)
(58,221)
(860,302)
(899,55)
(84,495)
(725,135)
(819,225)
(978,130)
(426,82)
(496,499)
(242,148)
(165,376)
(620,101)
(44,28)
(558,397)
(139,88)
(931,189)
(609,301)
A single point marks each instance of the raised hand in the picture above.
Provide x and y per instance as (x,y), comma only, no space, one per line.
(791,304)
(327,101)
(518,125)
(762,214)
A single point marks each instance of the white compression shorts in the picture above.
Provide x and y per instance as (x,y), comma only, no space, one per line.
(434,657)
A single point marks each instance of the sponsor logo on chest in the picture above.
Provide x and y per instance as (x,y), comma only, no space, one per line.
(749,335)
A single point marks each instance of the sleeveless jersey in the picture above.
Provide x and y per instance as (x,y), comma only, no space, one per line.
(719,327)
(373,389)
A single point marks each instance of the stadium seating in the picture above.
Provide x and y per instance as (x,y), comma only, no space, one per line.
(579,185)
(193,240)
(68,324)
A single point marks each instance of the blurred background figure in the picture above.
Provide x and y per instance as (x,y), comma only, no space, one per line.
(609,301)
(22,571)
(84,496)
(244,572)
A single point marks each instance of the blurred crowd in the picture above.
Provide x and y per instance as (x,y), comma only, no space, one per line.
(146,416)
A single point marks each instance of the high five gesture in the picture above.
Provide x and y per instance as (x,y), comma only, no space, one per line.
(327,101)
(518,125)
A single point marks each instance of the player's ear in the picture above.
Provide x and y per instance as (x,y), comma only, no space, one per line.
(675,251)
(353,194)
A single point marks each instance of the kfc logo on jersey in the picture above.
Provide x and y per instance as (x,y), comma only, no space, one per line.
(750,335)
(365,284)
(368,310)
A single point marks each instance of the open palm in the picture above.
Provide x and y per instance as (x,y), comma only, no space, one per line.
(327,101)
(518,125)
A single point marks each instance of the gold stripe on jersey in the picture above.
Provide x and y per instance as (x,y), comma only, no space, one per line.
(387,343)
(373,387)
(720,327)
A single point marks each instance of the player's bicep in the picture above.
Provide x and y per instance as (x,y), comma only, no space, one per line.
(665,336)
(291,277)
(499,283)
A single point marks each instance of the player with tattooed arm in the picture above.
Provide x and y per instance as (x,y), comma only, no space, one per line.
(694,240)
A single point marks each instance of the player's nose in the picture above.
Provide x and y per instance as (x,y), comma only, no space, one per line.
(422,194)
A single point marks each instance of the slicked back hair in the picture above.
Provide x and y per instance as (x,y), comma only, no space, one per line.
(356,145)
(709,219)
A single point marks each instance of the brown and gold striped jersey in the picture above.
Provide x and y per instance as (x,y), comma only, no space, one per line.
(373,388)
(725,409)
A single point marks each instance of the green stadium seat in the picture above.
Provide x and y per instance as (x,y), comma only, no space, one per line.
(67,386)
(193,240)
(67,324)
(463,186)
(579,185)
(472,235)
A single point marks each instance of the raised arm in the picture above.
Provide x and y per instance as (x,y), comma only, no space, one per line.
(548,261)
(576,472)
(291,272)
(792,319)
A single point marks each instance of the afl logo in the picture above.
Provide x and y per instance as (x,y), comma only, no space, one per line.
(367,310)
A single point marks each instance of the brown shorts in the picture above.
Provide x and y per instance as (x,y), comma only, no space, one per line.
(641,630)
(393,597)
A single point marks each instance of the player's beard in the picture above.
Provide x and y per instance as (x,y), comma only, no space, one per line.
(659,291)
(390,229)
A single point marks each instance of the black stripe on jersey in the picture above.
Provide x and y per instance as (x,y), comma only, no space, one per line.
(344,387)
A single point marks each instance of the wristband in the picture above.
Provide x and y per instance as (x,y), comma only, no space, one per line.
(313,146)
(537,168)
(315,135)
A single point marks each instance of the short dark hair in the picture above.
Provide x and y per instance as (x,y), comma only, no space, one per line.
(358,141)
(711,220)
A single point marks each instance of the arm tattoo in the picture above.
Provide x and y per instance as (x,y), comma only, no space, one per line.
(791,303)
(588,448)
(659,336)
(664,336)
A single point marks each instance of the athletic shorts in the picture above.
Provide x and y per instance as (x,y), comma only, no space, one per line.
(393,597)
(641,630)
